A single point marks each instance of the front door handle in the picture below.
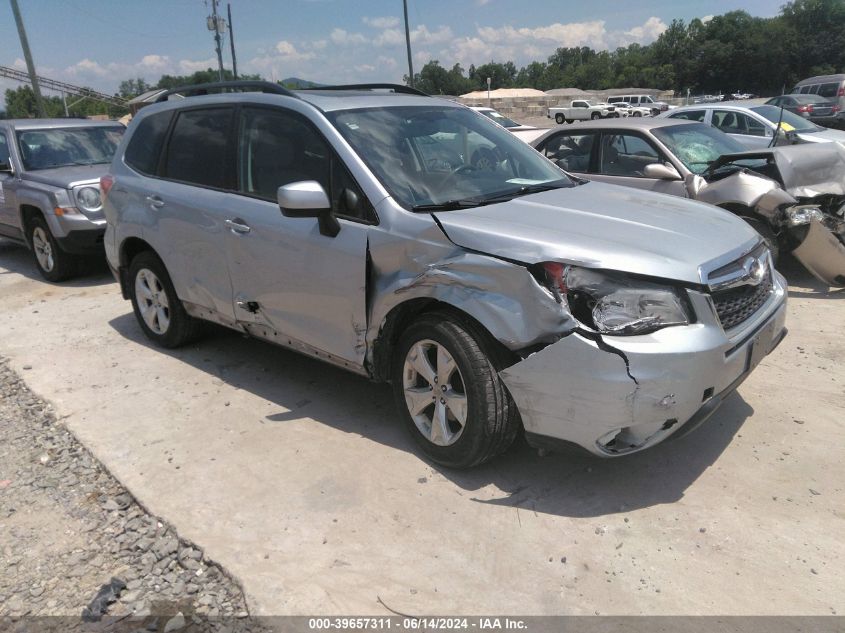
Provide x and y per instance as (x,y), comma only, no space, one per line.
(155,202)
(238,226)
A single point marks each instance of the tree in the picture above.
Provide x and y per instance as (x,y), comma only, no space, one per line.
(133,87)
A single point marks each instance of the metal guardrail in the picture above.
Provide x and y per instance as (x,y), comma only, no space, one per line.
(61,86)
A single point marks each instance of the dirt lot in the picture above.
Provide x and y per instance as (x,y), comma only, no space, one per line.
(298,479)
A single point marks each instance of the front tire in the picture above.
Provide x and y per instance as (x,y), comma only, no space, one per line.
(159,311)
(559,118)
(449,394)
(595,115)
(52,262)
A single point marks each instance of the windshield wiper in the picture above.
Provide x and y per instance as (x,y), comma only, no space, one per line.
(448,205)
(521,191)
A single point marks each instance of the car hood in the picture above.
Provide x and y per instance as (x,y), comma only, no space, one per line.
(806,170)
(823,136)
(604,226)
(63,176)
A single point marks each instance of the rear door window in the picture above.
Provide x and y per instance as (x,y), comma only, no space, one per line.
(144,149)
(690,115)
(570,151)
(198,150)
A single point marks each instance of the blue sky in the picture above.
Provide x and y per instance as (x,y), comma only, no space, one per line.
(98,43)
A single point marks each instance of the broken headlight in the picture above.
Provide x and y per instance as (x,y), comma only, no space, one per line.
(612,303)
(802,214)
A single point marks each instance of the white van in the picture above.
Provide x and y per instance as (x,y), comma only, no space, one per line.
(645,101)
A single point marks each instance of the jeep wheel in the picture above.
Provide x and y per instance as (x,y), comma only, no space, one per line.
(53,263)
(159,311)
(559,118)
(449,392)
(595,115)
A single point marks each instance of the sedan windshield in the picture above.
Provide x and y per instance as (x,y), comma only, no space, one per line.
(697,145)
(62,147)
(789,121)
(434,157)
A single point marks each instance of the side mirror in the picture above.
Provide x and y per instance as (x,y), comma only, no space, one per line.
(308,199)
(6,167)
(661,171)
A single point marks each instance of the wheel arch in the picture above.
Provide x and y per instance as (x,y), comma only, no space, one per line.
(404,314)
(130,248)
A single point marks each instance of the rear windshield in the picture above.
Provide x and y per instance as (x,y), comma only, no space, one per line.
(63,147)
(789,121)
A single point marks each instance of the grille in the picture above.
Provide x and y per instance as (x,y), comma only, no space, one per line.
(735,305)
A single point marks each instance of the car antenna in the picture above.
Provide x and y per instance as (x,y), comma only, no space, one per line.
(777,129)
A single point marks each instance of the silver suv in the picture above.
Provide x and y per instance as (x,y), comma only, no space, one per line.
(50,173)
(411,240)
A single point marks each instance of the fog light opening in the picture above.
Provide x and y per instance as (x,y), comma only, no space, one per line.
(708,393)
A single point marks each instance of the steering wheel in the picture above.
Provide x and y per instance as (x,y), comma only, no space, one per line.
(485,158)
(460,169)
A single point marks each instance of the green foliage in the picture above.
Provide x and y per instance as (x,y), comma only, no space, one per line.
(20,104)
(733,51)
(209,75)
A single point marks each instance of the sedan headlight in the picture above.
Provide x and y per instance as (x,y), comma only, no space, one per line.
(88,198)
(612,303)
(803,214)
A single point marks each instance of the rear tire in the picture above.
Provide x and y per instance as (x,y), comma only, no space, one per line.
(449,394)
(595,115)
(52,262)
(159,311)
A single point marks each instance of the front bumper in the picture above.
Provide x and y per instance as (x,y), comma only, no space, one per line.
(618,395)
(83,242)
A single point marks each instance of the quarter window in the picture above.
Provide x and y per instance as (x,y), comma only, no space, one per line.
(829,90)
(690,115)
(144,147)
(4,149)
(197,151)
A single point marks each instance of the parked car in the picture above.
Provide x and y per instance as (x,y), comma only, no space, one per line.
(817,109)
(828,86)
(525,132)
(755,125)
(794,196)
(495,300)
(646,101)
(582,110)
(626,109)
(50,188)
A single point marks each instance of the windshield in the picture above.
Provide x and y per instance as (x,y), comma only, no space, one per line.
(62,147)
(444,157)
(789,122)
(499,118)
(697,145)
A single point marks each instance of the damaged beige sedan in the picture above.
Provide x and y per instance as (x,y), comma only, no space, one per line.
(794,195)
(358,225)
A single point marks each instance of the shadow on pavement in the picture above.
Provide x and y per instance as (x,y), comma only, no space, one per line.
(576,484)
(16,258)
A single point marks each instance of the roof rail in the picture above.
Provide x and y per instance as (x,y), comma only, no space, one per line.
(394,87)
(202,89)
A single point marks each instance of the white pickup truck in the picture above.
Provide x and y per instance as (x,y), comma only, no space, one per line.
(582,110)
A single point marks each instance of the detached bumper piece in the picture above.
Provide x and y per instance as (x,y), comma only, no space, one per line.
(823,253)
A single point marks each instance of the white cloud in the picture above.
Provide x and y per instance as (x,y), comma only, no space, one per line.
(389,37)
(387,22)
(190,66)
(87,67)
(365,68)
(155,62)
(481,3)
(707,18)
(648,32)
(287,52)
(343,37)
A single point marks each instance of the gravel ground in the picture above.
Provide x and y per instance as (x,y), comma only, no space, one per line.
(69,530)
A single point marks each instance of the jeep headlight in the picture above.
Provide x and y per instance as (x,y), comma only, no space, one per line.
(88,198)
(612,303)
(803,214)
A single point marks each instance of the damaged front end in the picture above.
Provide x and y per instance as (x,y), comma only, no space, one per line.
(619,390)
(798,190)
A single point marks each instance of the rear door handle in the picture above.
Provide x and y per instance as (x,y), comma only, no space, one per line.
(238,226)
(155,202)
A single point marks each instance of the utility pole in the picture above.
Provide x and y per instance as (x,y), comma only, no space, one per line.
(408,44)
(30,66)
(232,43)
(217,24)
